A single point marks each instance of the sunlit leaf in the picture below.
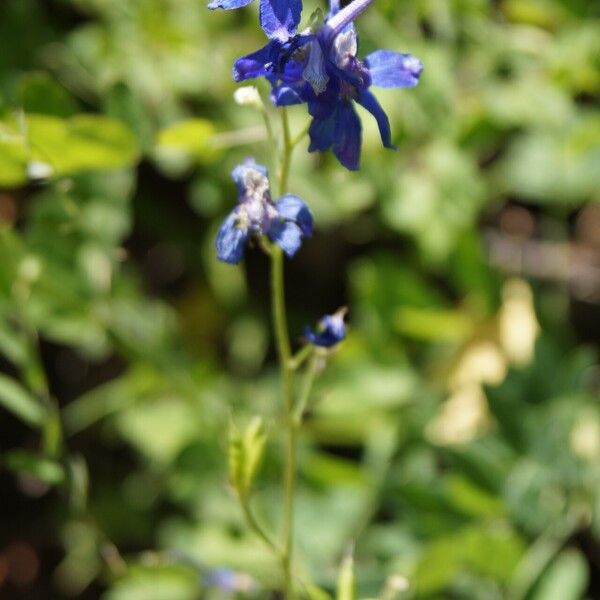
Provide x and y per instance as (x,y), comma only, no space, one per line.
(16,399)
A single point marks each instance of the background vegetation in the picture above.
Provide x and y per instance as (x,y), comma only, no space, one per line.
(456,441)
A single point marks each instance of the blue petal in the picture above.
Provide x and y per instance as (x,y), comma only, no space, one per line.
(347,136)
(322,127)
(366,99)
(294,209)
(239,173)
(280,18)
(335,325)
(332,330)
(228,4)
(393,70)
(231,240)
(334,7)
(287,235)
(257,64)
(289,95)
(322,134)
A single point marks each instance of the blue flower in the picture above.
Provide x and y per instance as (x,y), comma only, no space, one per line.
(278,18)
(323,71)
(285,221)
(330,331)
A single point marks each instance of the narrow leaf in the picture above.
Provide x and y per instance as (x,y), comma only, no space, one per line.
(16,399)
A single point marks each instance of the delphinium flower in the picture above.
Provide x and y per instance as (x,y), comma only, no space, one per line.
(285,221)
(322,69)
(330,331)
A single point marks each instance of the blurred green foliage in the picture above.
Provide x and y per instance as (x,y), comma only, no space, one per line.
(454,439)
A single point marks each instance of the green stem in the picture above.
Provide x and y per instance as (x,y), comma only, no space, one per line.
(287,376)
(309,379)
(283,348)
(256,527)
(300,136)
(288,147)
(301,356)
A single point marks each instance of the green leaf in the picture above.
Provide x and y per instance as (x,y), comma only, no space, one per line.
(13,160)
(255,439)
(46,469)
(191,137)
(84,142)
(78,482)
(245,454)
(41,146)
(235,458)
(40,94)
(566,578)
(20,402)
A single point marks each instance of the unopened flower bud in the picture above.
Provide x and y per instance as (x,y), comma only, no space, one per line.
(248,96)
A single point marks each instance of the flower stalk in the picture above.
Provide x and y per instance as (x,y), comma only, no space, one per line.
(287,376)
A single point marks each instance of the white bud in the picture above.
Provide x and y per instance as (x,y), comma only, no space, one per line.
(248,96)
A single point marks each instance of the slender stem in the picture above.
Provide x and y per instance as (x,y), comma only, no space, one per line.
(267,121)
(301,356)
(287,376)
(284,168)
(283,348)
(300,136)
(309,379)
(256,526)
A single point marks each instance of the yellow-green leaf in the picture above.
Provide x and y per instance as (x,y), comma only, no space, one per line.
(190,137)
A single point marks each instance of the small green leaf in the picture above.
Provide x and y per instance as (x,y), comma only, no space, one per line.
(20,402)
(79,482)
(46,469)
(254,447)
(52,433)
(245,454)
(236,458)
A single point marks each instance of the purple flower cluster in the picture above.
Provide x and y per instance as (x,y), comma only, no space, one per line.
(321,68)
